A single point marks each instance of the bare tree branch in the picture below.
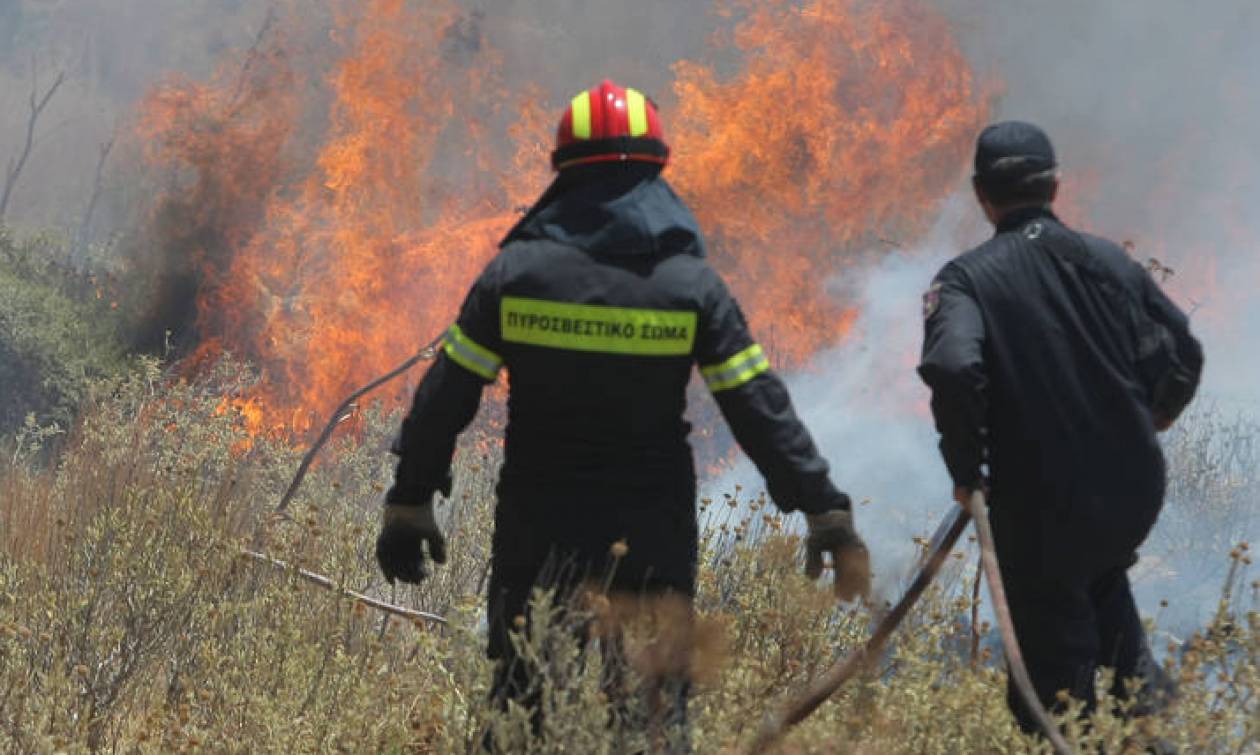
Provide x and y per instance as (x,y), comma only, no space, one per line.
(252,56)
(342,412)
(37,105)
(85,226)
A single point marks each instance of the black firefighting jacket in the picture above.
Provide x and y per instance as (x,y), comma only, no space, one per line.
(1050,354)
(598,305)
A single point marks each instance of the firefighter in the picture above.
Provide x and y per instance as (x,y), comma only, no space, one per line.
(598,304)
(1054,359)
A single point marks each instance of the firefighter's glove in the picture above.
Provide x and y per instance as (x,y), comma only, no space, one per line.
(405,529)
(833,532)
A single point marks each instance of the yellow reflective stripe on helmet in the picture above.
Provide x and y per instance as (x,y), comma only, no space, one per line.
(597,327)
(636,108)
(471,355)
(581,109)
(737,370)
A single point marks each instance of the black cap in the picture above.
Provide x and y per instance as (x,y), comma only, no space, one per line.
(1011,150)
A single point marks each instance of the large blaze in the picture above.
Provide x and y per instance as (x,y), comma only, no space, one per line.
(844,126)
(385,178)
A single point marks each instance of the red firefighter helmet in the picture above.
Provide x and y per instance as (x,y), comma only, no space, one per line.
(609,123)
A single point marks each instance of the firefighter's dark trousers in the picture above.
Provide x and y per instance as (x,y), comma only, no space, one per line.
(563,543)
(1069,628)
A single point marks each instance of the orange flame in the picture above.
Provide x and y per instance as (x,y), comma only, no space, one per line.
(848,123)
(350,239)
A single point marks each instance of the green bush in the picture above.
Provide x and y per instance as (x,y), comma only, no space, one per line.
(58,331)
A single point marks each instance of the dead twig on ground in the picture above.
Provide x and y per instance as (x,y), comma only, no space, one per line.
(328,584)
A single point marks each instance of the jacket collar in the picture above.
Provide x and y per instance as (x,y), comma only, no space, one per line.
(612,209)
(1016,219)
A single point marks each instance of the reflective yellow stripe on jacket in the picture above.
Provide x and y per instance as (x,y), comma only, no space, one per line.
(737,370)
(471,355)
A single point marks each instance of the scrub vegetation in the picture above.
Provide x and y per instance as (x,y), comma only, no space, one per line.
(129,622)
(58,331)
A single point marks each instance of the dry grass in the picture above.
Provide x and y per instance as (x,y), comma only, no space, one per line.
(128,623)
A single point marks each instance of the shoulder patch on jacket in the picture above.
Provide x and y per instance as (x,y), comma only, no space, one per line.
(931,300)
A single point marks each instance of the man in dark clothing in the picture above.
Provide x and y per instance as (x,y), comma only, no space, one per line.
(599,304)
(1053,360)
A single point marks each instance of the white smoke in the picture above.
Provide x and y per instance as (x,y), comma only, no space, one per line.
(868,411)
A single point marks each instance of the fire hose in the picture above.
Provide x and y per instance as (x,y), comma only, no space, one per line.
(979,511)
(826,685)
(947,534)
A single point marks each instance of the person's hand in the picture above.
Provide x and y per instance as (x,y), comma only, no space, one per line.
(833,532)
(405,529)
